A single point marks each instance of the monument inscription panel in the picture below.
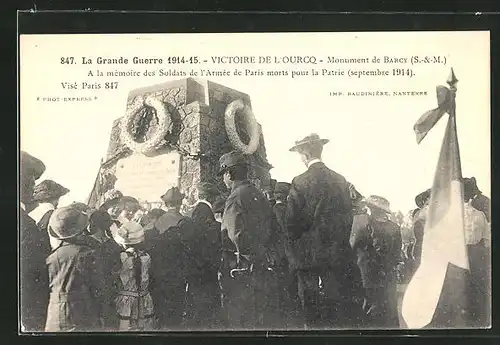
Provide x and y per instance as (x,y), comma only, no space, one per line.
(147,178)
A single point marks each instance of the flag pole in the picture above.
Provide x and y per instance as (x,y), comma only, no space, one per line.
(452,82)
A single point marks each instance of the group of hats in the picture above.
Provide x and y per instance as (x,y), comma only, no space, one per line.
(470,186)
(70,221)
(235,158)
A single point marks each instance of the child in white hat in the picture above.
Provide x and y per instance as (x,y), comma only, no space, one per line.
(134,303)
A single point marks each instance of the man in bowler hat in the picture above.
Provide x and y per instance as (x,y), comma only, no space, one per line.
(35,248)
(204,291)
(248,219)
(319,220)
(171,244)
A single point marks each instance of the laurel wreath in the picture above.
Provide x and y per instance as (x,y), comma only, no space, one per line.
(129,125)
(251,123)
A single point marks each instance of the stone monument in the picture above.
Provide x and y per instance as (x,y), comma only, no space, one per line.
(173,134)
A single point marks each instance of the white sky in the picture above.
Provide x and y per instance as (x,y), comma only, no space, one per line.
(371,138)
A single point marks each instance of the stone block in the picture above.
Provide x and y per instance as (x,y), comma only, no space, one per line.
(196,133)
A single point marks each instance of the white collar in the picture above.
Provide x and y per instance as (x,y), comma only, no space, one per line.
(205,202)
(40,211)
(315,160)
(278,202)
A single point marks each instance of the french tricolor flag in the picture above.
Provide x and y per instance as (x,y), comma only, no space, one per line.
(436,295)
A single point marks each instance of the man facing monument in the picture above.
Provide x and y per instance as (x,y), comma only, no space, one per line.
(204,291)
(169,244)
(248,220)
(319,220)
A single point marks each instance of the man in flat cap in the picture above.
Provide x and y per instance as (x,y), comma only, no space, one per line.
(248,219)
(319,220)
(172,244)
(35,248)
(46,195)
(204,291)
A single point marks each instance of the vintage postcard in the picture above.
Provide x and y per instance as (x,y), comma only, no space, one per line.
(254,181)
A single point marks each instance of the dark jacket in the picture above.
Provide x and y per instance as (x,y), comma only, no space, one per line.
(34,286)
(319,219)
(362,244)
(248,220)
(281,243)
(171,244)
(78,299)
(418,230)
(387,249)
(108,253)
(209,237)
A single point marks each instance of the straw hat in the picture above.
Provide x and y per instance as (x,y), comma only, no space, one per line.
(130,233)
(67,222)
(310,139)
(378,202)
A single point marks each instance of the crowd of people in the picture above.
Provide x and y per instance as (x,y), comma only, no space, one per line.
(311,254)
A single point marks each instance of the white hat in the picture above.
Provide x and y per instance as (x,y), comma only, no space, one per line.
(130,233)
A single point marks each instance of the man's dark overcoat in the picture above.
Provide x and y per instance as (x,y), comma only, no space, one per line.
(34,279)
(319,222)
(249,221)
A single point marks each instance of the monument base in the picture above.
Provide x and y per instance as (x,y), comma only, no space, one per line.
(195,140)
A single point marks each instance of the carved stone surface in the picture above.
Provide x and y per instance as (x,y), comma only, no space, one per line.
(197,132)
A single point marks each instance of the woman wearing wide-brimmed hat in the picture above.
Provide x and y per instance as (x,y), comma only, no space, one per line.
(34,249)
(77,293)
(385,252)
(46,196)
